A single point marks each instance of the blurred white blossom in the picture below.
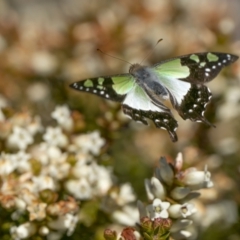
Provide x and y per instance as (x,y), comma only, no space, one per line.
(20,138)
(23,231)
(89,143)
(39,166)
(63,117)
(55,137)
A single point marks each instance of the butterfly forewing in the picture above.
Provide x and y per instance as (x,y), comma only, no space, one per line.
(196,67)
(113,88)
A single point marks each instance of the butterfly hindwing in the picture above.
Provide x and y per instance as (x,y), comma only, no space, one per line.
(139,106)
(112,88)
(194,104)
(196,67)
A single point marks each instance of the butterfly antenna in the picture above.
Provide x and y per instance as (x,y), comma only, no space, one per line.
(151,51)
(99,50)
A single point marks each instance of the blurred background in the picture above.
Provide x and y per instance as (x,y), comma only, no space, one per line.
(47,44)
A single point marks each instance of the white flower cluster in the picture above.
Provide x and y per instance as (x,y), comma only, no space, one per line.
(171,191)
(35,164)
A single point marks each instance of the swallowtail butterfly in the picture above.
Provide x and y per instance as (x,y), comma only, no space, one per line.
(180,80)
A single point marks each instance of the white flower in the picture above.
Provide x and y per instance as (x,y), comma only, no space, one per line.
(44,182)
(11,162)
(124,195)
(22,160)
(197,179)
(98,177)
(89,143)
(55,137)
(178,210)
(81,189)
(47,154)
(68,221)
(59,171)
(34,126)
(62,115)
(7,164)
(23,231)
(104,181)
(158,209)
(20,138)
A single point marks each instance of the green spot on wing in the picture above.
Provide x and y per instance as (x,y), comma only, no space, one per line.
(99,87)
(202,64)
(122,84)
(100,80)
(88,83)
(194,57)
(212,57)
(173,68)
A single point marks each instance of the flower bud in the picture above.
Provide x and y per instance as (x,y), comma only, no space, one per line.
(165,171)
(157,188)
(178,162)
(197,179)
(146,225)
(110,235)
(148,189)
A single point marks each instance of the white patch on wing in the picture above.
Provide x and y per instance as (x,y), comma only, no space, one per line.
(177,87)
(139,100)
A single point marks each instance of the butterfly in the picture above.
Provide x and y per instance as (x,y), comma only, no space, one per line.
(180,80)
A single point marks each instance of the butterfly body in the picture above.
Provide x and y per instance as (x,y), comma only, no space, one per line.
(148,80)
(144,90)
